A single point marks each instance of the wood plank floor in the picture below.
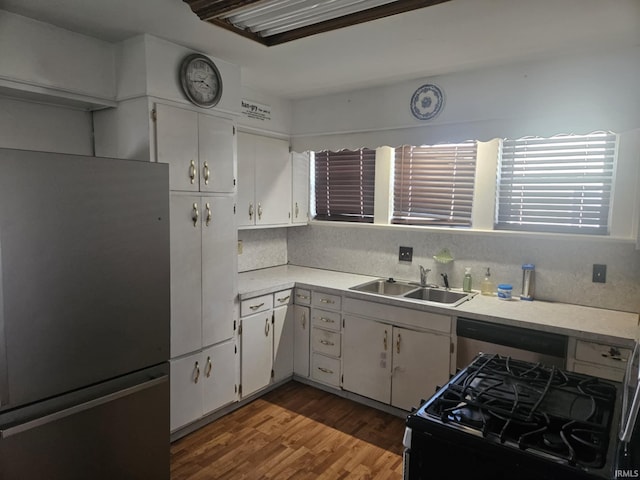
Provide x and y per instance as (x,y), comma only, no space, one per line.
(294,432)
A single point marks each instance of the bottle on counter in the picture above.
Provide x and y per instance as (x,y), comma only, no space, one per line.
(528,271)
(466,281)
(487,287)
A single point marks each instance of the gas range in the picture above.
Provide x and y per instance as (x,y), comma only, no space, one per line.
(509,418)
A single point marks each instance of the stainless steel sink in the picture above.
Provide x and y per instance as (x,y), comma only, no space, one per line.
(385,287)
(413,291)
(438,295)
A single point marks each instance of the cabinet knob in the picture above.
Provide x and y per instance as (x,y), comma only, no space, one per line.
(195,215)
(192,171)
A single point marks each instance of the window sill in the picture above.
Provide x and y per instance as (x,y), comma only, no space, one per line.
(480,232)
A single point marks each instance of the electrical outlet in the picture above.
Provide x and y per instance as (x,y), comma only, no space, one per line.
(239,247)
(406,254)
(599,273)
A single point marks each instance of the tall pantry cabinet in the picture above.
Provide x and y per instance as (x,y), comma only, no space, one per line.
(200,149)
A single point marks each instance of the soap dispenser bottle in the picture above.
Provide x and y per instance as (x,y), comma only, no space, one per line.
(466,282)
(487,287)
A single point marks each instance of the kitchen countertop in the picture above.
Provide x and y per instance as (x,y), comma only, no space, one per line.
(609,326)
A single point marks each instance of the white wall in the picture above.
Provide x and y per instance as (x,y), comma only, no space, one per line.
(578,94)
(281,112)
(27,125)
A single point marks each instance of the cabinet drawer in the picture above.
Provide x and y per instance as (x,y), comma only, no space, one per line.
(324,341)
(325,319)
(284,297)
(303,297)
(326,300)
(256,304)
(325,369)
(609,373)
(602,354)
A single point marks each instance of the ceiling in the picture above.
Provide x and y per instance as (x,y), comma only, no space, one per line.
(445,38)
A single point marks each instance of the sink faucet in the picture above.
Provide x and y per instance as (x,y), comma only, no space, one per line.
(423,275)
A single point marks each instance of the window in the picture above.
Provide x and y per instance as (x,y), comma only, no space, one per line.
(344,185)
(433,185)
(558,184)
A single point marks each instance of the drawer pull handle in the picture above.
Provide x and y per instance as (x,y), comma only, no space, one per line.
(326,300)
(284,299)
(327,320)
(192,171)
(209,367)
(208,208)
(304,320)
(251,211)
(196,373)
(195,214)
(303,297)
(205,171)
(255,307)
(384,342)
(325,370)
(398,344)
(327,342)
(266,328)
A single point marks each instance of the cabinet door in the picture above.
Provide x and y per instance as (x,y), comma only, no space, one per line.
(256,352)
(273,181)
(420,364)
(301,340)
(186,284)
(300,187)
(366,364)
(186,390)
(246,212)
(282,342)
(218,376)
(177,145)
(219,257)
(217,154)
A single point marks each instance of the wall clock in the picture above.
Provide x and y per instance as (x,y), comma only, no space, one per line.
(201,81)
(427,102)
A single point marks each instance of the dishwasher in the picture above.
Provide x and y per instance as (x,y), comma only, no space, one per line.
(475,336)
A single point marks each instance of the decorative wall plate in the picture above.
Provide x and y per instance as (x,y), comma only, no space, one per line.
(427,102)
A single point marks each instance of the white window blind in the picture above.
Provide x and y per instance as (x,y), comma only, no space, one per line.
(433,185)
(558,184)
(344,185)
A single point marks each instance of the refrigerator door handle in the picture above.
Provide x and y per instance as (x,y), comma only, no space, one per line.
(23,427)
(4,375)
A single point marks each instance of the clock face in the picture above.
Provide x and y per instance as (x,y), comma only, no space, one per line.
(201,81)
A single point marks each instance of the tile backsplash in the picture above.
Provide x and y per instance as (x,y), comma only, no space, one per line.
(563,264)
(262,248)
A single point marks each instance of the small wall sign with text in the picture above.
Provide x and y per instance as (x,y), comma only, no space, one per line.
(427,102)
(256,110)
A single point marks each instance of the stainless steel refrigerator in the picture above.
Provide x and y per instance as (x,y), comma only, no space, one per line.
(84,317)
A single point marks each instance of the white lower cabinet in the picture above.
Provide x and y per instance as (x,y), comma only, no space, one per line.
(283,337)
(390,364)
(267,339)
(301,340)
(420,365)
(202,382)
(602,360)
(257,352)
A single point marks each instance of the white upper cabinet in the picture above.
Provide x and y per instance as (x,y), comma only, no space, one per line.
(300,187)
(199,149)
(264,181)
